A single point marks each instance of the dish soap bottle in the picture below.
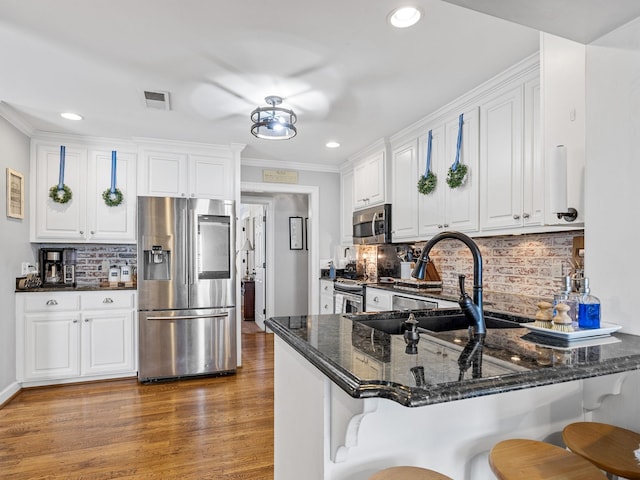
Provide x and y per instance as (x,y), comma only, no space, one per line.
(588,308)
(569,299)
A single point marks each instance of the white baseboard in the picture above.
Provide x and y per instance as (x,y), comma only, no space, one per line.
(9,392)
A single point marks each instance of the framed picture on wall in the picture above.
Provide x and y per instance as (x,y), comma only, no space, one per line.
(296,233)
(15,194)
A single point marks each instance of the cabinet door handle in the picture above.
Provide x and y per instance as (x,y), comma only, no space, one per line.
(81,232)
(439,226)
(92,232)
(107,300)
(75,320)
(52,302)
(516,217)
(86,320)
(525,215)
(376,299)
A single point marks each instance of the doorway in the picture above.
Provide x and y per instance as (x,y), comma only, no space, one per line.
(277,296)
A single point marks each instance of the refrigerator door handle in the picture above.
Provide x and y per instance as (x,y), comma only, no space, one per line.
(190,317)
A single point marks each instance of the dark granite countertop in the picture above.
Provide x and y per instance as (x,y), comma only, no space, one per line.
(79,288)
(370,363)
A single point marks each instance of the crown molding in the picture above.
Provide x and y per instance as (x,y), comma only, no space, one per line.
(16,119)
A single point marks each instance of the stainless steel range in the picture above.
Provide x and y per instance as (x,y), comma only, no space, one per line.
(348,295)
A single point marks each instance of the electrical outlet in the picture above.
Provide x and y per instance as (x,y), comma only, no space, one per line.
(556,269)
(25,268)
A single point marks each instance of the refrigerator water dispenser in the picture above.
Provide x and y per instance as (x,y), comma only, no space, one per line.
(157,263)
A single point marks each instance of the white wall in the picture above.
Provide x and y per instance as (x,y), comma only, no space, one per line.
(291,266)
(15,248)
(329,187)
(612,175)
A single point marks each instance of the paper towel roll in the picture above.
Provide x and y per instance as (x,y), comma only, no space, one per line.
(558,180)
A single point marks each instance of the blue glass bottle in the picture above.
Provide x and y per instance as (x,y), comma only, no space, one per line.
(588,308)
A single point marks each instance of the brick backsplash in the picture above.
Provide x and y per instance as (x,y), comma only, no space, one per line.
(515,264)
(89,259)
(512,264)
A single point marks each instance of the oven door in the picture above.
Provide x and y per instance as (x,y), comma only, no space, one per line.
(345,302)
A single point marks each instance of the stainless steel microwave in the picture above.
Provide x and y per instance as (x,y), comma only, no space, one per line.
(372,226)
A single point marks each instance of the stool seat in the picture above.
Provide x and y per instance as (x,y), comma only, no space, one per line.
(408,473)
(608,447)
(520,459)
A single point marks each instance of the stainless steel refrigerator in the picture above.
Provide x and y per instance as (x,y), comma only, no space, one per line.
(186,293)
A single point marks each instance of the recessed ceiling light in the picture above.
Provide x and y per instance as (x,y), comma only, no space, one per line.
(71,116)
(404,17)
(332,144)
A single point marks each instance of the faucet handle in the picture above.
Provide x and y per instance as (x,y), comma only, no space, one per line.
(461,279)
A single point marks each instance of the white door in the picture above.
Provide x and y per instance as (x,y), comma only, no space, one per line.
(260,266)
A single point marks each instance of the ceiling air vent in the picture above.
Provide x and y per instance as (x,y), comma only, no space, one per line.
(159,100)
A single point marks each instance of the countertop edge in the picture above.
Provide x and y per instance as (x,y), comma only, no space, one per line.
(414,397)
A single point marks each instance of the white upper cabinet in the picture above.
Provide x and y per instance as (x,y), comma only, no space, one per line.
(346,211)
(369,180)
(105,223)
(185,172)
(512,184)
(461,203)
(431,207)
(416,215)
(501,153)
(404,196)
(86,217)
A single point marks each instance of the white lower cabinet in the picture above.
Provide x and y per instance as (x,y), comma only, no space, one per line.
(66,336)
(378,300)
(326,296)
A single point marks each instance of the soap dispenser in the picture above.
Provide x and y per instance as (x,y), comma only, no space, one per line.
(588,308)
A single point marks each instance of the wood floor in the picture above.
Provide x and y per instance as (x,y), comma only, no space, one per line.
(210,428)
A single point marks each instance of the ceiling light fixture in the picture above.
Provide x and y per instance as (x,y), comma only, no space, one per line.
(273,122)
(332,145)
(404,17)
(71,116)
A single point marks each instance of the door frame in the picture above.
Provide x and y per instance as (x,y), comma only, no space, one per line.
(269,249)
(313,193)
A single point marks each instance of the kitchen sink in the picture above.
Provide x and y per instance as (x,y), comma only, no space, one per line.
(392,322)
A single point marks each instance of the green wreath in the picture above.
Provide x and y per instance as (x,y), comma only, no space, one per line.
(112,199)
(427,184)
(456,177)
(54,194)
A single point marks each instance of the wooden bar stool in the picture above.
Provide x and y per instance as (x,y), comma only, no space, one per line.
(520,459)
(408,473)
(608,447)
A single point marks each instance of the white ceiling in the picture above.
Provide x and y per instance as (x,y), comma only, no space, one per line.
(348,75)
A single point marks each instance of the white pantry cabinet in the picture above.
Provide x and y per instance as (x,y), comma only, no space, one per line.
(85,218)
(69,336)
(369,180)
(175,172)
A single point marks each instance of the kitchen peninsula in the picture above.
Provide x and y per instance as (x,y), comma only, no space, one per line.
(350,400)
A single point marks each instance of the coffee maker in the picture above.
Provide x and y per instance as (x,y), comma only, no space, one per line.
(57,267)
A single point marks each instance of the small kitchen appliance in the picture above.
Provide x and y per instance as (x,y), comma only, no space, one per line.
(57,267)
